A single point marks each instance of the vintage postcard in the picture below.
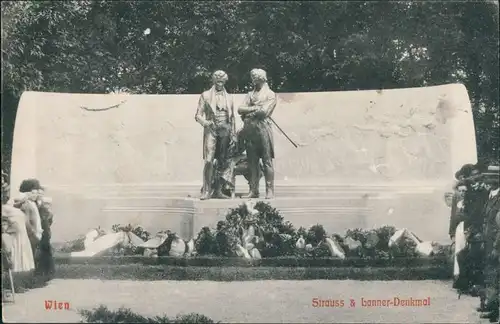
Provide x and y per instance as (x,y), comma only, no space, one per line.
(250,162)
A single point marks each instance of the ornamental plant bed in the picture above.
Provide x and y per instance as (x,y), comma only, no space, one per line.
(163,272)
(257,235)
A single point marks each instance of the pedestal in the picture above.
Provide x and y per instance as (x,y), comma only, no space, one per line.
(338,207)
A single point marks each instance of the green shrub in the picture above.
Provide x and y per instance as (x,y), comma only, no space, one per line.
(315,235)
(384,233)
(280,238)
(407,248)
(73,246)
(321,251)
(206,243)
(381,248)
(192,318)
(102,314)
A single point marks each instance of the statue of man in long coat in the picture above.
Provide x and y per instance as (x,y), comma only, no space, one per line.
(256,111)
(216,114)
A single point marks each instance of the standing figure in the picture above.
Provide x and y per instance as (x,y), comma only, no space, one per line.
(457,208)
(14,229)
(475,200)
(44,263)
(216,114)
(31,190)
(491,212)
(471,258)
(256,112)
(5,188)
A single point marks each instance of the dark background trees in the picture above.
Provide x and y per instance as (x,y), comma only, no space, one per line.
(100,46)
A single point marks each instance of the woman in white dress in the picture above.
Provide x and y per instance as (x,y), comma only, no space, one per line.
(22,254)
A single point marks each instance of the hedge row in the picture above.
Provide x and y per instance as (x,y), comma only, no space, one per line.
(286,261)
(162,272)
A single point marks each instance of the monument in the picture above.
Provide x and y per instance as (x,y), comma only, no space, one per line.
(215,113)
(364,159)
(256,111)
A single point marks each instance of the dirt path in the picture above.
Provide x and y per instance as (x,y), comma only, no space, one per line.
(255,301)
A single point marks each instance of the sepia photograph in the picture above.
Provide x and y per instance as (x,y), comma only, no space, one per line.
(250,162)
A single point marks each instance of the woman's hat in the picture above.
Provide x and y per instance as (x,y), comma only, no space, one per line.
(465,171)
(29,185)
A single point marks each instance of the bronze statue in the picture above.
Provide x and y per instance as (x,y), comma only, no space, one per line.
(216,114)
(256,112)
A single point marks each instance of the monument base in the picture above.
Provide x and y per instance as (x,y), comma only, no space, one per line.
(337,207)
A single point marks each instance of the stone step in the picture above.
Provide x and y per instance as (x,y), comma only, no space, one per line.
(337,213)
(179,203)
(307,212)
(280,187)
(282,190)
(279,194)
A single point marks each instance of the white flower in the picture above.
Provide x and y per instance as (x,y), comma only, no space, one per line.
(147,31)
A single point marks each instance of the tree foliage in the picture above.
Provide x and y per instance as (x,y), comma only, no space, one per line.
(104,46)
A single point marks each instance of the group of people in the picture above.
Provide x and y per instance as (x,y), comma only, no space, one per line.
(223,145)
(26,248)
(475,231)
